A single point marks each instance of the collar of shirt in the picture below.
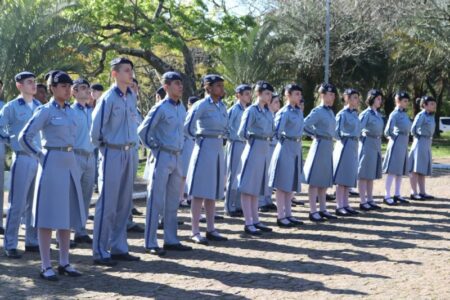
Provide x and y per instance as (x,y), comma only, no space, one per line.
(55,104)
(294,108)
(260,109)
(351,110)
(173,102)
(22,101)
(210,99)
(82,107)
(240,106)
(400,109)
(326,106)
(429,114)
(119,92)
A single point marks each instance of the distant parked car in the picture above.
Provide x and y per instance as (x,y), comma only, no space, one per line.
(444,124)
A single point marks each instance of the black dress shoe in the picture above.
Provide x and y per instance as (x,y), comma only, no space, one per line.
(262,227)
(249,230)
(198,239)
(202,219)
(91,217)
(2,230)
(177,247)
(351,210)
(374,205)
(353,194)
(136,212)
(316,217)
(327,215)
(342,212)
(295,221)
(156,251)
(217,217)
(31,248)
(400,199)
(51,277)
(105,262)
(13,254)
(136,228)
(415,197)
(330,197)
(282,224)
(68,270)
(235,214)
(272,206)
(365,206)
(298,202)
(426,196)
(263,208)
(83,239)
(215,236)
(390,201)
(125,257)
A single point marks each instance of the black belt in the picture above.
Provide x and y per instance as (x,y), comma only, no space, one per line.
(125,147)
(372,136)
(83,152)
(354,138)
(63,149)
(21,152)
(294,139)
(164,149)
(212,136)
(260,137)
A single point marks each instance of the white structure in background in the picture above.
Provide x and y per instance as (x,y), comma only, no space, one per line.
(444,124)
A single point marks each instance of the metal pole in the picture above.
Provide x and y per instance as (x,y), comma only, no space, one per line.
(327,43)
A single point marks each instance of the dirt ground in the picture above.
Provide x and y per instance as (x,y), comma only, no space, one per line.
(400,252)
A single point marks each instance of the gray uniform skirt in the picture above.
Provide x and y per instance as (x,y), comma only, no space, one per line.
(396,159)
(253,177)
(286,166)
(369,167)
(186,153)
(345,162)
(58,200)
(206,172)
(318,168)
(420,159)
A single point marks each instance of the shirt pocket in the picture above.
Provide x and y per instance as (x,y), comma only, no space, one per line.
(58,122)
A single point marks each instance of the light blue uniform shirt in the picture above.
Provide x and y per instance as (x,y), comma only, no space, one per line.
(348,124)
(256,121)
(84,122)
(320,122)
(57,124)
(289,122)
(13,117)
(164,126)
(372,123)
(115,118)
(424,125)
(234,121)
(207,118)
(397,124)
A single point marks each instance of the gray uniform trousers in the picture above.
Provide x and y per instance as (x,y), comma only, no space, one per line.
(23,175)
(114,205)
(163,197)
(130,222)
(233,196)
(87,165)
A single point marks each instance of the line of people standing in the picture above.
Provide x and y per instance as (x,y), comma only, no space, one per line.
(54,164)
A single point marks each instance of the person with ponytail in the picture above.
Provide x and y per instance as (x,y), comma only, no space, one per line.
(420,159)
(369,154)
(395,163)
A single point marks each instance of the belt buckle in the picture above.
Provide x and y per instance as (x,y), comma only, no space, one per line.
(70,148)
(220,136)
(127,147)
(268,139)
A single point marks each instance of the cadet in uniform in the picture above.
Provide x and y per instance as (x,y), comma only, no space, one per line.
(186,154)
(369,166)
(257,128)
(265,202)
(163,132)
(345,154)
(114,131)
(395,163)
(207,122)
(84,150)
(318,168)
(13,117)
(2,166)
(58,201)
(235,147)
(285,170)
(420,160)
